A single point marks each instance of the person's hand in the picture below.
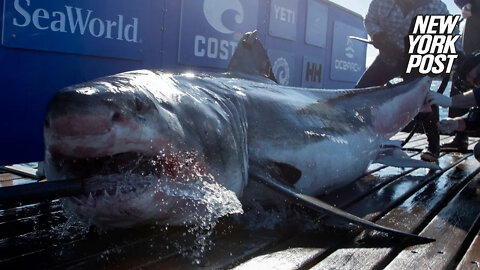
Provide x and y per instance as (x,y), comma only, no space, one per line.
(467,11)
(434,98)
(448,125)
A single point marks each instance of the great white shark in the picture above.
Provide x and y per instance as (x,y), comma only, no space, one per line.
(131,135)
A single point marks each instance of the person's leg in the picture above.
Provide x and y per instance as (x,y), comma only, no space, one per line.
(470,43)
(430,121)
(460,141)
(379,73)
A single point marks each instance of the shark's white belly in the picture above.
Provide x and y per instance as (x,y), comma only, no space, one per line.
(328,163)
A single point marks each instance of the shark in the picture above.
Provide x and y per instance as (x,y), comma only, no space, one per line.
(140,140)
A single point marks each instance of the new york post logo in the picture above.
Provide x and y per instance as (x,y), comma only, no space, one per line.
(75,21)
(431,44)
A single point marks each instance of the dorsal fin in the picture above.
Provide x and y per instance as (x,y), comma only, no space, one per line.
(250,57)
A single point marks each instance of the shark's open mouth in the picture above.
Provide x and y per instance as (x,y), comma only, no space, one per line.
(132,163)
(131,188)
(125,176)
(127,188)
(119,177)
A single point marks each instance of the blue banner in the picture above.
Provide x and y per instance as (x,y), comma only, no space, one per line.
(312,75)
(317,18)
(283,66)
(283,19)
(348,56)
(211,29)
(80,27)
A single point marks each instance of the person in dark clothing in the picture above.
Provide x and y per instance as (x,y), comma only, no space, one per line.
(470,43)
(469,73)
(388,24)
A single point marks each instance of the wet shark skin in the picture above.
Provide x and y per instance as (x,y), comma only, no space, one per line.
(331,136)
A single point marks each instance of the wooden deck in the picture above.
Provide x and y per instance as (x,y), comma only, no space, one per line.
(444,205)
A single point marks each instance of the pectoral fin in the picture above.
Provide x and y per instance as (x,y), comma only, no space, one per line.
(317,205)
(284,173)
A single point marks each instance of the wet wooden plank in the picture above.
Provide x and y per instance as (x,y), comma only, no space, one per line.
(370,253)
(45,218)
(175,250)
(93,248)
(342,197)
(299,252)
(471,259)
(472,141)
(21,170)
(253,242)
(292,254)
(14,213)
(449,227)
(354,197)
(226,251)
(8,177)
(295,253)
(379,191)
(398,190)
(370,207)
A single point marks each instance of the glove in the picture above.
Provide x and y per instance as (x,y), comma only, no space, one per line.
(467,11)
(448,125)
(434,98)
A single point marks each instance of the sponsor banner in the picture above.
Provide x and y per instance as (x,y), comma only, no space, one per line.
(312,72)
(283,19)
(211,29)
(111,28)
(283,66)
(348,56)
(317,16)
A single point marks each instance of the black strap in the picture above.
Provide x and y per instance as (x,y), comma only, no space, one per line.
(416,123)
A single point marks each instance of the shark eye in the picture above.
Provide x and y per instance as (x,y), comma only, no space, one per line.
(116,117)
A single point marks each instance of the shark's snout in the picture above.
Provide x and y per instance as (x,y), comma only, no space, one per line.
(79,125)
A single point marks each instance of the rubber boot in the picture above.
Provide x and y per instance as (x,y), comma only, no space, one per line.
(459,142)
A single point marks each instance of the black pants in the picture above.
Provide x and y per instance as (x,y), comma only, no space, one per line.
(379,73)
(456,112)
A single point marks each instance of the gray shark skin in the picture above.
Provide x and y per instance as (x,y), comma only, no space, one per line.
(134,137)
(219,125)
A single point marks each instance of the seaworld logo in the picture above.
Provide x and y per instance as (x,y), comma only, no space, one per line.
(75,20)
(216,11)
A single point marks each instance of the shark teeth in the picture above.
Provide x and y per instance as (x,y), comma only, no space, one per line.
(91,200)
